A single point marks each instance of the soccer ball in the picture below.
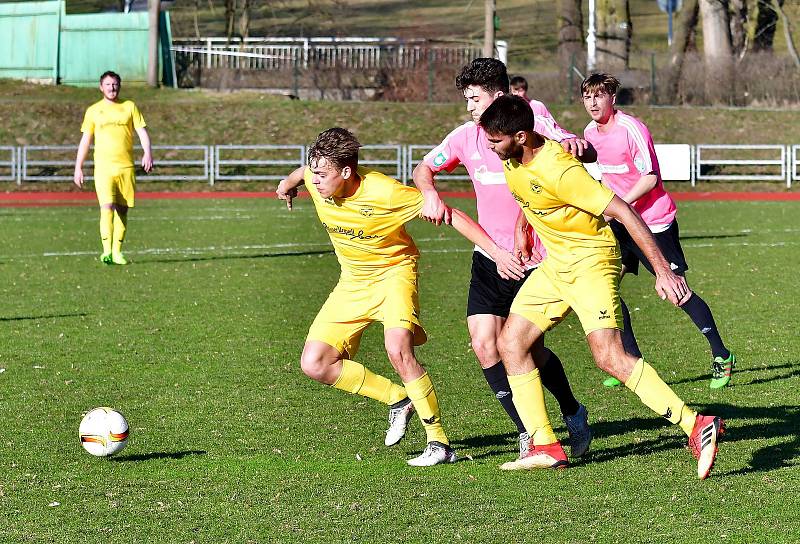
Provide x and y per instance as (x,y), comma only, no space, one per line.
(103,431)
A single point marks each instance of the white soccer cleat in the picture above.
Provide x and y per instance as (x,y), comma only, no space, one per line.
(435,453)
(398,422)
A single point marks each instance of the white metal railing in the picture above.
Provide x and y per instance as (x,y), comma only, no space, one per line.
(754,165)
(271,162)
(57,162)
(9,166)
(353,53)
(211,163)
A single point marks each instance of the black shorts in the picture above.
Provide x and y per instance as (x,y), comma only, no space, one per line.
(668,242)
(488,292)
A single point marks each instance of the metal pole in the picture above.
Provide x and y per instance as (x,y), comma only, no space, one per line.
(430,75)
(652,78)
(669,28)
(591,40)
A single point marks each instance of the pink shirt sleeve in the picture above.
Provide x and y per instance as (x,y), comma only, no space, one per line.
(447,155)
(546,125)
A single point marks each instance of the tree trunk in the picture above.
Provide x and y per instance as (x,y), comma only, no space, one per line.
(244,20)
(717,51)
(739,27)
(681,41)
(230,15)
(196,25)
(570,30)
(488,28)
(152,65)
(614,32)
(787,32)
(766,22)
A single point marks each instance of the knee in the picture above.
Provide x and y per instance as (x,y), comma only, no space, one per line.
(485,349)
(507,347)
(314,366)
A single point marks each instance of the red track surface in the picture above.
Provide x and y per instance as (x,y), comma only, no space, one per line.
(37,199)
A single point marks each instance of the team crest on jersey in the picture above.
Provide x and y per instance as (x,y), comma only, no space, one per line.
(638,162)
(367,212)
(439,159)
(535,187)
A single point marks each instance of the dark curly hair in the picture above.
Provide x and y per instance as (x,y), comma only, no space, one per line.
(488,74)
(111,74)
(507,115)
(336,145)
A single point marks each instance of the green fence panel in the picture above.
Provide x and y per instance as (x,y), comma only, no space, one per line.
(39,41)
(29,40)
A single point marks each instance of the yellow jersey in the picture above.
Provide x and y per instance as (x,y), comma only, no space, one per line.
(368,229)
(112,124)
(564,204)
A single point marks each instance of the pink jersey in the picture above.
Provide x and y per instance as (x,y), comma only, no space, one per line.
(624,155)
(497,209)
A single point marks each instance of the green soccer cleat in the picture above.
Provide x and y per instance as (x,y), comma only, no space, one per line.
(612,382)
(721,370)
(118,258)
(105,258)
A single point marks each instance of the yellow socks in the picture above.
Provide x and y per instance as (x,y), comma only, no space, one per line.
(529,401)
(106,228)
(120,226)
(356,378)
(659,397)
(422,394)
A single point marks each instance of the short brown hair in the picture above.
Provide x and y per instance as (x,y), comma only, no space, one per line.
(336,145)
(112,75)
(607,82)
(519,82)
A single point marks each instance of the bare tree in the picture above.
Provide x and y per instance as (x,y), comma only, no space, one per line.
(766,22)
(739,27)
(230,15)
(684,32)
(244,20)
(787,31)
(717,50)
(488,28)
(152,65)
(570,30)
(614,31)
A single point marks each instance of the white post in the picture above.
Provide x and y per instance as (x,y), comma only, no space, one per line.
(502,51)
(591,39)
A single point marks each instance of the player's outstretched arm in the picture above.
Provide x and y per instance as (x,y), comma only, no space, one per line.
(147,157)
(434,209)
(508,265)
(668,284)
(83,152)
(287,188)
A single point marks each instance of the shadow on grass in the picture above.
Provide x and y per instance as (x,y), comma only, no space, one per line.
(739,373)
(714,236)
(231,257)
(745,424)
(158,455)
(34,317)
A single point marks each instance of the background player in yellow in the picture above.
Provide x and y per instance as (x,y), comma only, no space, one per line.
(566,207)
(111,123)
(364,213)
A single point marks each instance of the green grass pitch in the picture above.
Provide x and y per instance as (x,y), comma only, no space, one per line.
(197,342)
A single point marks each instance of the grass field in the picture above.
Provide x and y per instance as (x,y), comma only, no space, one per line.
(197,343)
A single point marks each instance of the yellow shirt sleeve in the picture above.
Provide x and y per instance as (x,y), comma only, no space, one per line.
(406,202)
(136,117)
(580,190)
(87,127)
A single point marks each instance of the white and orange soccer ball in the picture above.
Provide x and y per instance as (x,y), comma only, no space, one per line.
(103,431)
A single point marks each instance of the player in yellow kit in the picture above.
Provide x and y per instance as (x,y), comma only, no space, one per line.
(364,213)
(566,207)
(111,123)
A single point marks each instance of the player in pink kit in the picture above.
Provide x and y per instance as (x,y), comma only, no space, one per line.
(492,289)
(627,159)
(519,87)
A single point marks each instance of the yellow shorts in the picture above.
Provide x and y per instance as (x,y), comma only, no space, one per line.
(591,290)
(354,304)
(115,185)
